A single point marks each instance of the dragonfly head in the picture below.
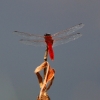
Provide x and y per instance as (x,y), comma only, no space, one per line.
(47,34)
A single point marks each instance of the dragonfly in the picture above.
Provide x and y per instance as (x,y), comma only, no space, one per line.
(51,40)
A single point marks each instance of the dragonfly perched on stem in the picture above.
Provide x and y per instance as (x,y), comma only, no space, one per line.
(51,40)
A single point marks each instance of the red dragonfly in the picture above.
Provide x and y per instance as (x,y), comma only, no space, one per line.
(51,40)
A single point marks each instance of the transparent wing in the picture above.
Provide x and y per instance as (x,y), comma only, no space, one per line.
(33,42)
(31,39)
(59,37)
(66,39)
(29,36)
(67,32)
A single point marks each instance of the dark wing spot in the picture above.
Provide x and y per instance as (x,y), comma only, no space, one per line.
(15,31)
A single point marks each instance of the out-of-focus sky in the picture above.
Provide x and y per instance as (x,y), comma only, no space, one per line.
(77,63)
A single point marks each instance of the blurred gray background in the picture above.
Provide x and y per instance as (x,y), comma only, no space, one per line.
(76,63)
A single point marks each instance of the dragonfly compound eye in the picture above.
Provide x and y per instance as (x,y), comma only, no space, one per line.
(47,34)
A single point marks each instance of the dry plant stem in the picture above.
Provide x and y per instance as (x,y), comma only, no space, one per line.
(49,77)
(50,84)
(43,89)
(45,59)
(46,82)
(46,54)
(39,79)
(44,97)
(37,70)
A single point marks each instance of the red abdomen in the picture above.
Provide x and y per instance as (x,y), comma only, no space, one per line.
(51,52)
